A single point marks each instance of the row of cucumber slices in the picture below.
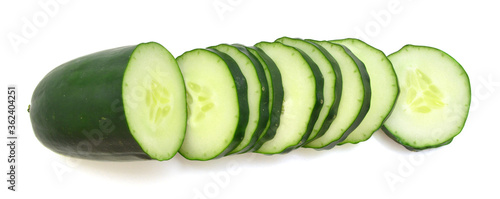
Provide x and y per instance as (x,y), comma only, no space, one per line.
(269,98)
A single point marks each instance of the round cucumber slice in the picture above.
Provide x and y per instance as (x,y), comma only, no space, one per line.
(332,85)
(301,100)
(383,85)
(258,94)
(353,105)
(217,104)
(154,101)
(434,101)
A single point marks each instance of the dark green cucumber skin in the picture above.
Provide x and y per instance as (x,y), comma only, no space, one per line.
(278,94)
(395,99)
(242,92)
(408,145)
(319,99)
(366,101)
(264,99)
(332,113)
(77,108)
(317,106)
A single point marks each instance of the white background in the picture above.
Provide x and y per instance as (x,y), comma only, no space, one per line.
(467,30)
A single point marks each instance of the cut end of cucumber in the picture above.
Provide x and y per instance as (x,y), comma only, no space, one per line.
(154,101)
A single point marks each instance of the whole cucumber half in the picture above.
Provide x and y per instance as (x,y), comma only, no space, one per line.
(126,103)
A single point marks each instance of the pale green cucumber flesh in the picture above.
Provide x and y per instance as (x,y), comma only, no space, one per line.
(216,97)
(154,101)
(275,84)
(434,101)
(331,87)
(384,88)
(300,101)
(354,101)
(256,91)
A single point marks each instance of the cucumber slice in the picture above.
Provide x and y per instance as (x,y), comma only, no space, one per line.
(434,101)
(332,86)
(258,95)
(273,77)
(303,93)
(384,88)
(217,104)
(157,119)
(120,104)
(354,101)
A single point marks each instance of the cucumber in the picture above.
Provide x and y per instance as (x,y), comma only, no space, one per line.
(434,101)
(384,88)
(303,93)
(140,103)
(275,101)
(355,98)
(120,104)
(217,104)
(258,94)
(332,86)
